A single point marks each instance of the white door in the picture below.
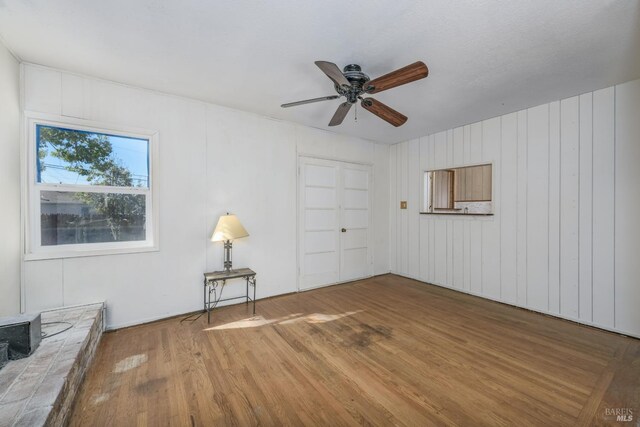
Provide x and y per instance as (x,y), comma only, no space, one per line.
(334,233)
(355,241)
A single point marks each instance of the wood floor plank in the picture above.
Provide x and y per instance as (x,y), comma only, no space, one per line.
(381,351)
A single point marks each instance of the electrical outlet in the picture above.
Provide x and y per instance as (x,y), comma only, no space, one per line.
(403,205)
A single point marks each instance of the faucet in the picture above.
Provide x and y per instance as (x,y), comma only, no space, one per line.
(466,209)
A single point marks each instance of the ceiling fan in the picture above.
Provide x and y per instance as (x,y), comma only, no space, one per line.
(352,83)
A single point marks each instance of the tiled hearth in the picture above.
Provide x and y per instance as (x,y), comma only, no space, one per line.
(40,389)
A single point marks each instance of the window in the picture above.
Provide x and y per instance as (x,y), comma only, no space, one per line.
(90,190)
(465,190)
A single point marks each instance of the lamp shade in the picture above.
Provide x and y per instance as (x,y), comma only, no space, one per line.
(228,228)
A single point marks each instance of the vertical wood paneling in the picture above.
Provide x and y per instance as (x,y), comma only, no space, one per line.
(432,241)
(399,236)
(569,206)
(440,159)
(393,207)
(424,248)
(586,206)
(603,206)
(521,220)
(475,145)
(554,207)
(450,153)
(413,197)
(475,227)
(564,238)
(439,224)
(458,146)
(466,256)
(458,226)
(431,161)
(491,228)
(627,206)
(475,265)
(508,209)
(449,223)
(458,254)
(449,252)
(432,250)
(441,252)
(466,143)
(424,224)
(538,207)
(404,183)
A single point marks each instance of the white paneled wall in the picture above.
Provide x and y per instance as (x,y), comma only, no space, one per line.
(211,160)
(9,184)
(565,238)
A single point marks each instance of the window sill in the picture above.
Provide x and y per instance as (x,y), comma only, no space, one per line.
(87,253)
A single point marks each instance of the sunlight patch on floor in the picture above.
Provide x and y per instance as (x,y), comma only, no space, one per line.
(319,318)
(251,322)
(98,399)
(257,321)
(129,363)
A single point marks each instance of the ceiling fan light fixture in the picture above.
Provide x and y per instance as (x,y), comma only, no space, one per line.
(352,83)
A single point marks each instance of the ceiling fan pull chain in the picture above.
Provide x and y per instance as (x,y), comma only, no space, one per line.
(356,112)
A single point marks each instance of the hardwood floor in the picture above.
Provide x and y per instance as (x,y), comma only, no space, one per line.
(381,351)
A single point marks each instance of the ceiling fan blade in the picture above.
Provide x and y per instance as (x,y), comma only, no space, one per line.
(416,71)
(340,114)
(309,101)
(386,113)
(333,72)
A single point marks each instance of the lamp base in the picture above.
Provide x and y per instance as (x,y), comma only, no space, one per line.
(227,256)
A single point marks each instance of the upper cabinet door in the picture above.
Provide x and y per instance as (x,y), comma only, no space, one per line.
(486,183)
(443,190)
(472,184)
(459,177)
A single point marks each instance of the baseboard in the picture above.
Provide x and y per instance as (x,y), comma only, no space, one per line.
(547,313)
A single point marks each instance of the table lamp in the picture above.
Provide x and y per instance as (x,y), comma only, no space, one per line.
(227,230)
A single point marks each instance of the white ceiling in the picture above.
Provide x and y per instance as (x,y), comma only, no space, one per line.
(486,57)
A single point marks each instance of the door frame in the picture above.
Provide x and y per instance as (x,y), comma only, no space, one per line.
(371,232)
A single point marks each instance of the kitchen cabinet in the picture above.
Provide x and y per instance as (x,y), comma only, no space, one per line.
(443,189)
(472,184)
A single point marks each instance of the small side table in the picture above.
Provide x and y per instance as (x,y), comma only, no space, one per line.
(219,278)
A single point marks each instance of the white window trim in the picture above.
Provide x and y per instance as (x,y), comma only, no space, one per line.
(31,203)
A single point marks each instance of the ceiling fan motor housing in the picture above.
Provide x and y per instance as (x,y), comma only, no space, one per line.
(357,78)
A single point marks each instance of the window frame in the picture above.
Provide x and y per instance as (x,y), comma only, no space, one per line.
(31,225)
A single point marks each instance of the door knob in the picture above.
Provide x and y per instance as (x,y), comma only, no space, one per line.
(344,230)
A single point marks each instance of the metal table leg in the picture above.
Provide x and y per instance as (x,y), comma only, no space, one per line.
(209,306)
